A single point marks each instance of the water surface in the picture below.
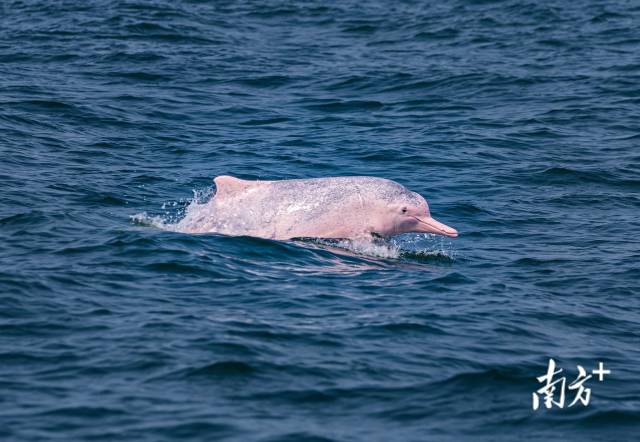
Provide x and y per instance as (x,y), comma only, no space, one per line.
(517,121)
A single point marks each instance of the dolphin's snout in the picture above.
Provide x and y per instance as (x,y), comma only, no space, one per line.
(430,225)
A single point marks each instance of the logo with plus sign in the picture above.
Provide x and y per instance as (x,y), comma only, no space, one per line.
(554,387)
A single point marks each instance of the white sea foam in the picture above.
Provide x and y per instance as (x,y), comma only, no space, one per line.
(144,219)
(374,248)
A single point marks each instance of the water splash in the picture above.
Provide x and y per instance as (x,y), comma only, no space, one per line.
(425,245)
(408,246)
(174,211)
(376,248)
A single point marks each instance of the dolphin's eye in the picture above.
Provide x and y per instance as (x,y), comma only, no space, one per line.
(404,210)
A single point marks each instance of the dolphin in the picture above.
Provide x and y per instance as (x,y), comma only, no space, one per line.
(348,207)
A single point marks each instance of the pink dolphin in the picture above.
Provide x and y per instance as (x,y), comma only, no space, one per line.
(336,207)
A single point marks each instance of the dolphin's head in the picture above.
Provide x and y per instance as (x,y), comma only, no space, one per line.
(404,211)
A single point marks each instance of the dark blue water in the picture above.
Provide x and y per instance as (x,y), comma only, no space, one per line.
(518,121)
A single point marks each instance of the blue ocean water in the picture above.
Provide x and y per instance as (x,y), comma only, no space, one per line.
(518,121)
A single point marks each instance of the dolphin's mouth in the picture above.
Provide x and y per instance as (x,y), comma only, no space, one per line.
(431,225)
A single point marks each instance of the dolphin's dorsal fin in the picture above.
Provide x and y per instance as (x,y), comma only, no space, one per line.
(227,186)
